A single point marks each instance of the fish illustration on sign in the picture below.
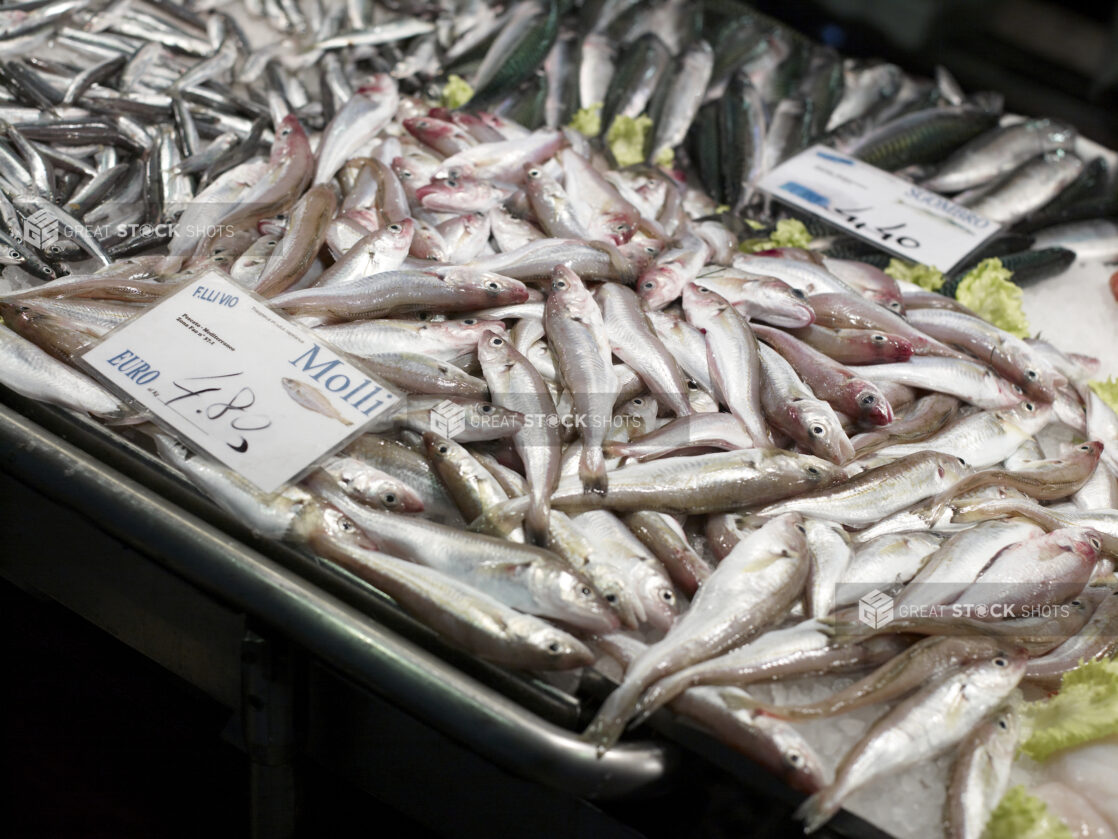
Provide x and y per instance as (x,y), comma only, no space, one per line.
(311,398)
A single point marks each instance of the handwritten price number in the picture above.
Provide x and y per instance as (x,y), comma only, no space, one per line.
(885,233)
(233,409)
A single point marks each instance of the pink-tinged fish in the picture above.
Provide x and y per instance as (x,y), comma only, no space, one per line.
(503,161)
(445,137)
(732,356)
(842,387)
(461,194)
(673,270)
(267,190)
(361,119)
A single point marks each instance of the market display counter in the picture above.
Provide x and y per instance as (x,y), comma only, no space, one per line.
(253,624)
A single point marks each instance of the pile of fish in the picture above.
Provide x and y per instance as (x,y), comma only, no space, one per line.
(677,463)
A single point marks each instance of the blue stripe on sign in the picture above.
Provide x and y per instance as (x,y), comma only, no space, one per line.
(805,193)
(835,158)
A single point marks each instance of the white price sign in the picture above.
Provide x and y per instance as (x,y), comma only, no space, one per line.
(259,393)
(885,210)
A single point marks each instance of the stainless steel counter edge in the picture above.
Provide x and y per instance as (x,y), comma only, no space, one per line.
(410,677)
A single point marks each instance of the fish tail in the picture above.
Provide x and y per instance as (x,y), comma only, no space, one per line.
(592,470)
(817,810)
(607,727)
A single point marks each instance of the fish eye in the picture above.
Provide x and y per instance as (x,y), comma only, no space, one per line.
(1017,389)
(404,173)
(492,284)
(49,272)
(585,591)
(1000,661)
(1085,448)
(703,289)
(553,646)
(638,401)
(1002,725)
(797,293)
(560,283)
(451,182)
(14,254)
(649,285)
(469,321)
(802,529)
(1095,543)
(1077,603)
(795,758)
(651,251)
(443,449)
(1031,375)
(534,173)
(1030,407)
(346,524)
(667,596)
(894,305)
(692,384)
(284,132)
(389,498)
(878,339)
(611,598)
(868,399)
(421,124)
(963,462)
(813,470)
(817,430)
(496,342)
(486,409)
(395,228)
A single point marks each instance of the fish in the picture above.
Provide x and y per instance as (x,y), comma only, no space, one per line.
(877,492)
(732,357)
(576,329)
(309,397)
(30,371)
(517,386)
(981,439)
(936,718)
(525,577)
(998,152)
(980,775)
(751,587)
(472,620)
(801,649)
